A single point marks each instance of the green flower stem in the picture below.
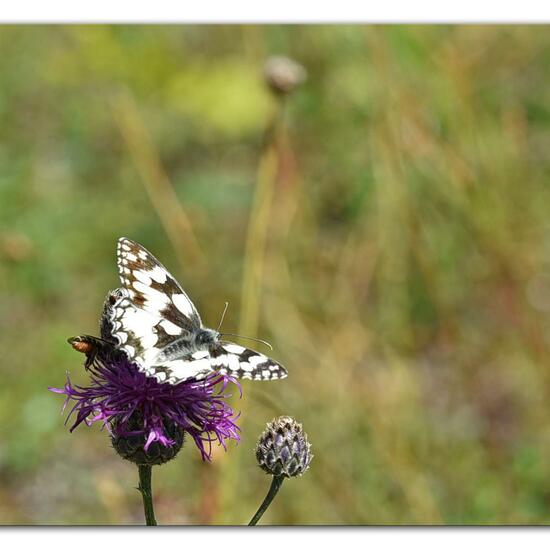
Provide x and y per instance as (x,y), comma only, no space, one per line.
(273,489)
(145,472)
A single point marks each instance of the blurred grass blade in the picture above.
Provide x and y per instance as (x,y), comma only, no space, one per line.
(256,242)
(173,217)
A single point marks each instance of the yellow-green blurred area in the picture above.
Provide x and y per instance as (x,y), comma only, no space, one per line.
(391,239)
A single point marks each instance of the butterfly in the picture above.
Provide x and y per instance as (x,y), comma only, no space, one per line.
(153,321)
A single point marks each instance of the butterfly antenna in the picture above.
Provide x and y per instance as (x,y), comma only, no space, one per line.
(223,315)
(248,338)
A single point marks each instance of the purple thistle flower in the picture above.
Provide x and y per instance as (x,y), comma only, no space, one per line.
(131,404)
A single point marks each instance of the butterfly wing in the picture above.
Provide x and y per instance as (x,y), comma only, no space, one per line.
(246,363)
(197,365)
(151,287)
(151,311)
(224,358)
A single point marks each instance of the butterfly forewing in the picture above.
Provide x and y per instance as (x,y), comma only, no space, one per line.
(151,311)
(152,288)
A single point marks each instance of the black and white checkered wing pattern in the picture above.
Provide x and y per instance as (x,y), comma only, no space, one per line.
(151,287)
(225,358)
(246,363)
(151,311)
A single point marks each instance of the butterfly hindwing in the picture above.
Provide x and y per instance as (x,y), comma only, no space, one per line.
(139,333)
(246,363)
(195,365)
(225,358)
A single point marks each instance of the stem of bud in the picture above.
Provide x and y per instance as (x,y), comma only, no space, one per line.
(273,489)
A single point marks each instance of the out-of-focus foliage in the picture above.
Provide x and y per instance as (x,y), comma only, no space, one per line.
(405,277)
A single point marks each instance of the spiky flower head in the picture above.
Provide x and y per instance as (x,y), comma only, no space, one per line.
(283,449)
(283,74)
(147,419)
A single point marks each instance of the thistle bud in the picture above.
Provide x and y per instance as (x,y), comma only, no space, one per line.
(132,443)
(283,449)
(283,75)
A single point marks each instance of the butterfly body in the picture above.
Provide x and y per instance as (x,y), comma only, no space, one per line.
(191,343)
(153,321)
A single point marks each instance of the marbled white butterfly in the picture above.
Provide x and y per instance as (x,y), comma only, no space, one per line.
(153,321)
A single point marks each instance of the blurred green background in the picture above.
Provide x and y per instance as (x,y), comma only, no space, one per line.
(387,229)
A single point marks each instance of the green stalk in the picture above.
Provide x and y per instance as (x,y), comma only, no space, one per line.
(273,489)
(253,270)
(145,472)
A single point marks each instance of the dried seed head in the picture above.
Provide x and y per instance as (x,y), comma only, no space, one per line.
(283,75)
(283,449)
